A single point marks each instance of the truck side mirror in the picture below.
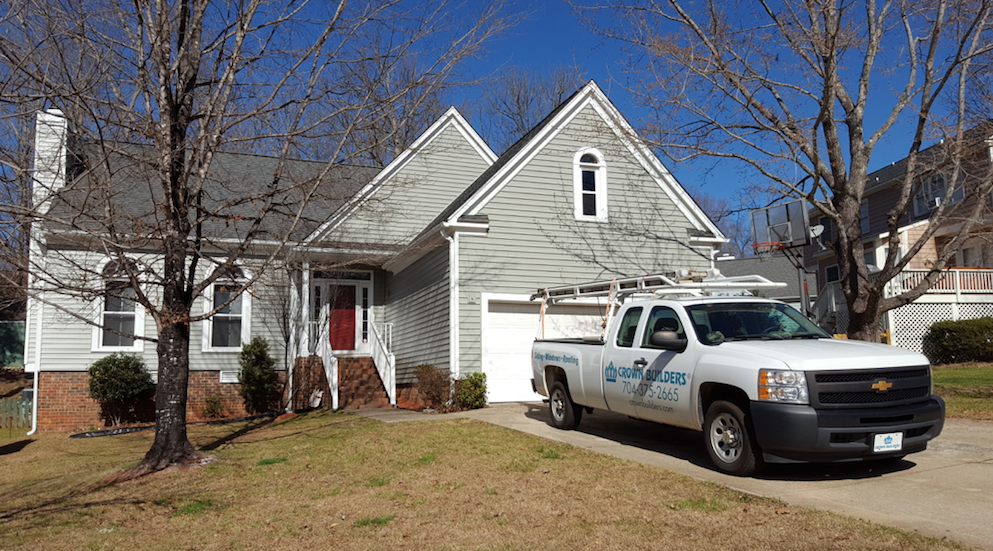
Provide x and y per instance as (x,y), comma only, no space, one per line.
(667,340)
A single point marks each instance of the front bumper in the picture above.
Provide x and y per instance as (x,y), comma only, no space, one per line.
(802,433)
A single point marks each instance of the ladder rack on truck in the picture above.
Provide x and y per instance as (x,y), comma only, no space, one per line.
(679,282)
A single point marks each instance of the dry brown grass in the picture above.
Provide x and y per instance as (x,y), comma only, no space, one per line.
(336,481)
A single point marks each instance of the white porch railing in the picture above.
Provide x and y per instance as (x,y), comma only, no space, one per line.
(381,339)
(953,286)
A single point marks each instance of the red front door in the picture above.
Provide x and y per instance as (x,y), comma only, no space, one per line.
(342,301)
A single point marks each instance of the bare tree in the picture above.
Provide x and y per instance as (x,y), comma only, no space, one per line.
(160,94)
(815,87)
(518,98)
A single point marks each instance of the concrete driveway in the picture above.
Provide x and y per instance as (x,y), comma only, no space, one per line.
(946,491)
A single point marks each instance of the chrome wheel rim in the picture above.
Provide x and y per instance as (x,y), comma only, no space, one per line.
(726,437)
(558,405)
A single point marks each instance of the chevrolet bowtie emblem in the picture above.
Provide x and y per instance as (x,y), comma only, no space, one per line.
(882,386)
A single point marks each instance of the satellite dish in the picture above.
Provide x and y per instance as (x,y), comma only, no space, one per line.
(816,231)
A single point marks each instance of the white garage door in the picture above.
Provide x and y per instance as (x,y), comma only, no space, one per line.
(509,330)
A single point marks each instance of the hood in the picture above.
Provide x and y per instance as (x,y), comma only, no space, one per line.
(824,354)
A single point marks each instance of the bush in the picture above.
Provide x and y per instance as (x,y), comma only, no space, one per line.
(258,377)
(960,341)
(433,385)
(470,391)
(120,382)
(213,407)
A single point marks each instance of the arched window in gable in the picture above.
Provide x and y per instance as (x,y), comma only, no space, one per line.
(590,185)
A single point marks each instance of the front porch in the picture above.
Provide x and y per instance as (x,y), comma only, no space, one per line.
(958,294)
(340,349)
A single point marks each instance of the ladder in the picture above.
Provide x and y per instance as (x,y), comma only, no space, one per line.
(682,282)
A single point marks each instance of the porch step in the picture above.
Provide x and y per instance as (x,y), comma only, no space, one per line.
(359,385)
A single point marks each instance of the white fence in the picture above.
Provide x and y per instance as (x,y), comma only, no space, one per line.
(958,294)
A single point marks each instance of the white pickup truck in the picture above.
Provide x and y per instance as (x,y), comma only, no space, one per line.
(760,380)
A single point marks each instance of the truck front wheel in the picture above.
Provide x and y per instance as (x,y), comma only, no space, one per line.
(565,414)
(729,440)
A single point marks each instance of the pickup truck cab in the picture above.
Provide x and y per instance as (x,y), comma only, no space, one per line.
(757,377)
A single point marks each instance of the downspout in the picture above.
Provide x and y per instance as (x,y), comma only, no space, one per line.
(37,366)
(453,302)
(294,351)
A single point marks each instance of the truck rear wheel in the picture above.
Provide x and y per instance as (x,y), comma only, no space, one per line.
(565,414)
(729,440)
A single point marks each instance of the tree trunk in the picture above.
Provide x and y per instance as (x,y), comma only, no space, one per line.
(171,446)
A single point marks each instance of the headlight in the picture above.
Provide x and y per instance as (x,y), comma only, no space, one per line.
(783,386)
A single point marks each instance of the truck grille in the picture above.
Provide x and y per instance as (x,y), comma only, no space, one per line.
(870,387)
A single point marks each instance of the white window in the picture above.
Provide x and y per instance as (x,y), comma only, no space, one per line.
(864,216)
(590,185)
(121,319)
(831,273)
(229,327)
(932,192)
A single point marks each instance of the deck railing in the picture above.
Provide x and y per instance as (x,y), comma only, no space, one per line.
(953,284)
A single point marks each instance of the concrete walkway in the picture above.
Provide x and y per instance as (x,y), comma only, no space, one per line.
(946,491)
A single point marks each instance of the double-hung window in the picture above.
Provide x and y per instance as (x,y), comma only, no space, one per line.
(121,320)
(228,328)
(590,186)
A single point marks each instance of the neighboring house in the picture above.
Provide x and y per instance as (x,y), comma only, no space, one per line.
(965,292)
(430,260)
(774,267)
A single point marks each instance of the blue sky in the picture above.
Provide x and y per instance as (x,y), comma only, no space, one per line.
(552,36)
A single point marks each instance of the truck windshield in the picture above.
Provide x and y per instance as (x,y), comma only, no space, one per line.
(719,322)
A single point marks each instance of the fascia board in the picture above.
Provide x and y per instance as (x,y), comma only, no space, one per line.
(592,95)
(651,163)
(430,241)
(451,118)
(499,180)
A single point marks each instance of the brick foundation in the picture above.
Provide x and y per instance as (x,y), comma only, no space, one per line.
(64,402)
(308,375)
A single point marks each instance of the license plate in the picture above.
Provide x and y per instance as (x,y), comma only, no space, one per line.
(889,442)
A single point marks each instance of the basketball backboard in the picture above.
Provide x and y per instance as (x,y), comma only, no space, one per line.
(786,223)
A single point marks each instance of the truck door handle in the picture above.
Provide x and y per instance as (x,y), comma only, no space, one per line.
(641,362)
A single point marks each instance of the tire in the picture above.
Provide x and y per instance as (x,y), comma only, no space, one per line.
(565,414)
(730,440)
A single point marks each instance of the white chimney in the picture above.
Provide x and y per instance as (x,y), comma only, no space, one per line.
(50,134)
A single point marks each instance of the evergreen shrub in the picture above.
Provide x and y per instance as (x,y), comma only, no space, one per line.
(960,341)
(258,377)
(120,382)
(470,391)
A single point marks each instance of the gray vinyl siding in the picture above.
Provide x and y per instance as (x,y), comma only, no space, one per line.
(404,205)
(535,241)
(418,303)
(67,341)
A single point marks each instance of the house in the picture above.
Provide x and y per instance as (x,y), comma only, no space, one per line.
(774,267)
(966,291)
(431,259)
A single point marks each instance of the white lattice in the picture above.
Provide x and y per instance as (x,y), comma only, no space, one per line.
(973,311)
(911,323)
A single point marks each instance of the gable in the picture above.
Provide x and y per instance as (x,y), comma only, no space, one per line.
(532,218)
(596,116)
(414,188)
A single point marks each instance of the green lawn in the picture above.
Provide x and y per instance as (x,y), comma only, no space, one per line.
(337,481)
(966,388)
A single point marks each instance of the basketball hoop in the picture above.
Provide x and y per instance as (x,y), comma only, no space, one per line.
(765,249)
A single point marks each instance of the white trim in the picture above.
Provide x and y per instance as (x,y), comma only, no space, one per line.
(96,342)
(228,376)
(454,367)
(591,95)
(246,314)
(451,118)
(599,170)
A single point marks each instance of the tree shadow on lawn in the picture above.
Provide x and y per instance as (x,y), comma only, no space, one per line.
(688,445)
